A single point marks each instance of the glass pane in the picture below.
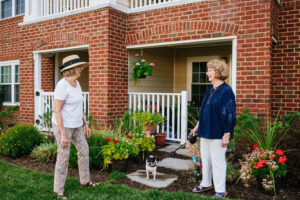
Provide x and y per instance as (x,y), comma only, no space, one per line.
(195,78)
(203,78)
(6,74)
(203,66)
(6,10)
(7,93)
(195,89)
(17,74)
(196,67)
(17,89)
(20,7)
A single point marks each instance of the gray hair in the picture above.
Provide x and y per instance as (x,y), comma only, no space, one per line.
(221,68)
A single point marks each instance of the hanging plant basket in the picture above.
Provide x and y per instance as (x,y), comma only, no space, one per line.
(141,69)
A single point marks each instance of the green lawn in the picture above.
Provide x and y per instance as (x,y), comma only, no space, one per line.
(20,183)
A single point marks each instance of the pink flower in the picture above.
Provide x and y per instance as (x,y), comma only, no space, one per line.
(115,141)
(254,147)
(279,152)
(137,55)
(152,64)
(137,64)
(282,159)
(143,60)
(107,140)
(261,152)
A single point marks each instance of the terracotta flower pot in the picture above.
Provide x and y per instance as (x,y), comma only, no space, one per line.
(160,139)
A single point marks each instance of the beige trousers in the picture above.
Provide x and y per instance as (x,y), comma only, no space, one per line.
(75,135)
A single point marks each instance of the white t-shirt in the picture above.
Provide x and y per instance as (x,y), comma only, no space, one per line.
(72,109)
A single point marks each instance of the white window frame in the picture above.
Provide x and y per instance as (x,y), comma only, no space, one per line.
(14,7)
(13,63)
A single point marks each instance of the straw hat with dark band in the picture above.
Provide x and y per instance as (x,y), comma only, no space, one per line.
(72,61)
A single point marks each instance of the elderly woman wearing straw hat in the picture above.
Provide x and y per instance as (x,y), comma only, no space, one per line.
(68,123)
(217,118)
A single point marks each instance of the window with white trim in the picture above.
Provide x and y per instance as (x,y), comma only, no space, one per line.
(10,8)
(10,81)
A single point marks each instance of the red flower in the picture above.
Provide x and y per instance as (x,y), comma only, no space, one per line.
(115,141)
(271,157)
(261,152)
(257,165)
(129,136)
(282,159)
(262,161)
(279,152)
(107,140)
(254,147)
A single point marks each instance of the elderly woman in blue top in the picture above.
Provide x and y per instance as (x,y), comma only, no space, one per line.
(216,123)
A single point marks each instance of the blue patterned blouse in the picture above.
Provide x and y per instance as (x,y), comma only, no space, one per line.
(217,113)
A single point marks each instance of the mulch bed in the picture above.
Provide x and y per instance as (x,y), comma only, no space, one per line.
(289,188)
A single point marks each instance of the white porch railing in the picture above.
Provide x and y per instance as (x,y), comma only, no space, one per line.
(51,7)
(172,106)
(46,100)
(36,10)
(145,3)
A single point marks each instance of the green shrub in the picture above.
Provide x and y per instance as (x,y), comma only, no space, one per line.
(45,152)
(95,142)
(117,175)
(20,140)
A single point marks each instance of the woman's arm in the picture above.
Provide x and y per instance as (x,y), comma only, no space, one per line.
(86,126)
(194,131)
(58,104)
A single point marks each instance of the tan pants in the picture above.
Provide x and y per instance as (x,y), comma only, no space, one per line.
(62,161)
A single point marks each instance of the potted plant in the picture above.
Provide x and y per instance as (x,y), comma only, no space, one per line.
(148,120)
(141,68)
(160,139)
(145,145)
(116,153)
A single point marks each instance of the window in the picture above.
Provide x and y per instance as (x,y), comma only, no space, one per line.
(10,8)
(20,7)
(199,81)
(10,81)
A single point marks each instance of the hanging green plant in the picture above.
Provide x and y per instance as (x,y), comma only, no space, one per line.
(141,68)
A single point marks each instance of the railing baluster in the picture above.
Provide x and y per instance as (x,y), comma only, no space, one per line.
(163,111)
(178,117)
(157,110)
(153,103)
(134,102)
(130,103)
(168,115)
(144,103)
(139,102)
(173,116)
(148,102)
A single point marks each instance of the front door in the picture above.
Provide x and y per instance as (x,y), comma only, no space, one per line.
(197,81)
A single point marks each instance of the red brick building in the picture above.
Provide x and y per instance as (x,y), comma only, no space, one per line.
(258,38)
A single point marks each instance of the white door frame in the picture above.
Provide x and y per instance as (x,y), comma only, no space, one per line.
(37,57)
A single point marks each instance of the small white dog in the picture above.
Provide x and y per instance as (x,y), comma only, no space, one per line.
(151,166)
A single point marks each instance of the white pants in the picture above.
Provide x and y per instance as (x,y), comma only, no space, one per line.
(213,164)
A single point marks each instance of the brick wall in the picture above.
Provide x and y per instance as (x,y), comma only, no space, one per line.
(286,59)
(249,20)
(47,78)
(108,57)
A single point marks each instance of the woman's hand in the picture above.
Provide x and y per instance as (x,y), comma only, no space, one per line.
(88,131)
(225,139)
(64,140)
(194,131)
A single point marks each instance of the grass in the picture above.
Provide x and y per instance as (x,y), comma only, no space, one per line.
(20,183)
